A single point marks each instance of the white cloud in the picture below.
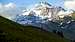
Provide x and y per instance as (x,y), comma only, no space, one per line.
(65,12)
(69,4)
(6,10)
(10,5)
(9,10)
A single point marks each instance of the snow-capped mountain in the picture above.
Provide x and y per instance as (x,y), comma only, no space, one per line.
(44,10)
(44,15)
(40,15)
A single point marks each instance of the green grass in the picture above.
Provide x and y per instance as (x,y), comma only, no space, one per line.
(73,16)
(14,32)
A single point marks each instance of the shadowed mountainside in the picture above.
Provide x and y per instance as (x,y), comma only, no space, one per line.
(11,31)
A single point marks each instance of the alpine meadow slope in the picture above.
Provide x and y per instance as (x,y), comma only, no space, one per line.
(12,31)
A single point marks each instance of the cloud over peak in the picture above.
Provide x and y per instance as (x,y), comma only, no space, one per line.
(69,4)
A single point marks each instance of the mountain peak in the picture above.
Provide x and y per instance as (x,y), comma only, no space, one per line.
(46,3)
(43,4)
(44,10)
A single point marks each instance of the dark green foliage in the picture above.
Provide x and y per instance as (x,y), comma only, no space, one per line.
(13,32)
(73,15)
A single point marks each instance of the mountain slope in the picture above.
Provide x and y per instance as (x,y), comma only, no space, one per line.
(11,31)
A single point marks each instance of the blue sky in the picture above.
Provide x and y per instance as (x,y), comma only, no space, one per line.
(24,3)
